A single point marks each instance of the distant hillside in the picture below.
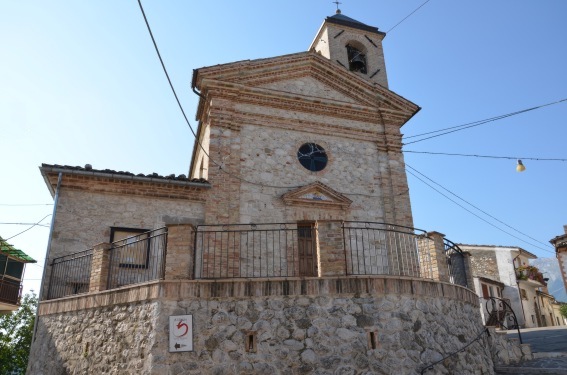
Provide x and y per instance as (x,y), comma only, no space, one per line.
(550,268)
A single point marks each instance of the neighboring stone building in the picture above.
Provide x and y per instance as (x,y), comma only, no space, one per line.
(560,244)
(290,245)
(549,310)
(12,267)
(504,272)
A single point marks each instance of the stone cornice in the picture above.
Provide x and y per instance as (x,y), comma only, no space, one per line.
(251,288)
(250,73)
(240,94)
(232,119)
(146,187)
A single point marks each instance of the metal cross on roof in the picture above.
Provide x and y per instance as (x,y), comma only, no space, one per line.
(337,2)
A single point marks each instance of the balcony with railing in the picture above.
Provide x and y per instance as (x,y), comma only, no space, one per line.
(530,274)
(12,267)
(10,292)
(267,251)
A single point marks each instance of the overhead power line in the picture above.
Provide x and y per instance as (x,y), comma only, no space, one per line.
(187,119)
(475,207)
(34,225)
(473,124)
(484,156)
(22,205)
(408,16)
(39,225)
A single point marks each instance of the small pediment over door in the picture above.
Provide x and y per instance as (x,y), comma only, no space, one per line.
(316,195)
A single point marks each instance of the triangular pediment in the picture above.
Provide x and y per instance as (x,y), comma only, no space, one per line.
(316,194)
(309,86)
(305,75)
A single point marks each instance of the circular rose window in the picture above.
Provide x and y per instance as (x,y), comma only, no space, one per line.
(312,157)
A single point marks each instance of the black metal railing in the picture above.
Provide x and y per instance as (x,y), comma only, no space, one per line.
(386,249)
(137,259)
(10,291)
(500,314)
(70,274)
(456,264)
(483,333)
(255,250)
(290,250)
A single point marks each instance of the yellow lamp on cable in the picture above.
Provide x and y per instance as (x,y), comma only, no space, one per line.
(520,167)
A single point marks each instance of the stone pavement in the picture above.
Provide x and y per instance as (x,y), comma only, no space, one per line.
(543,365)
(549,345)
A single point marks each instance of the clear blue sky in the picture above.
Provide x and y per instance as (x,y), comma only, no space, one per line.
(80,83)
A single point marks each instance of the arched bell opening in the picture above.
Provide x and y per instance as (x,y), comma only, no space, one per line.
(356,58)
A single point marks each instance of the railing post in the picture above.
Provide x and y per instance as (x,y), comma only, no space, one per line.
(468,269)
(99,267)
(331,249)
(436,247)
(180,253)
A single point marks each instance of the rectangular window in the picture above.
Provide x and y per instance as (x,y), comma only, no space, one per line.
(11,267)
(533,319)
(523,294)
(484,291)
(133,246)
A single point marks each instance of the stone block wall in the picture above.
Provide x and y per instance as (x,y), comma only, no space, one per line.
(484,263)
(313,326)
(331,249)
(84,218)
(115,339)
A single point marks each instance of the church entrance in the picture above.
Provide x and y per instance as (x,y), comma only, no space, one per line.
(306,249)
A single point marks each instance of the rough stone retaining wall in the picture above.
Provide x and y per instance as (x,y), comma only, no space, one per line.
(107,340)
(317,326)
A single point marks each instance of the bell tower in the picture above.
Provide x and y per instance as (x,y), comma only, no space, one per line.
(354,45)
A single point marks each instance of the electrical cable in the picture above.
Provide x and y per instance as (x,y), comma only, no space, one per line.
(484,156)
(185,116)
(473,213)
(22,205)
(34,225)
(473,124)
(406,17)
(472,205)
(479,209)
(39,225)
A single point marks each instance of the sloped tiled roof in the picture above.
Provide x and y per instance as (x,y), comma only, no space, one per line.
(7,249)
(341,19)
(154,176)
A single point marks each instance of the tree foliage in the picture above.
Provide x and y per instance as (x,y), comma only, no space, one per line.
(16,330)
(563,310)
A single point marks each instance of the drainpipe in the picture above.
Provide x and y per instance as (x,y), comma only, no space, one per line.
(47,253)
(518,285)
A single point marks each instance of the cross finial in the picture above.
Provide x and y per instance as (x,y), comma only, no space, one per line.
(337,2)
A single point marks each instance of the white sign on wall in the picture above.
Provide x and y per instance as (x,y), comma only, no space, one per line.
(181,333)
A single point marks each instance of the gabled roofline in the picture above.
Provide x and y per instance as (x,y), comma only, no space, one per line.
(512,248)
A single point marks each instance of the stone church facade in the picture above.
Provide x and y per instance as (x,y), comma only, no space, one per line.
(290,244)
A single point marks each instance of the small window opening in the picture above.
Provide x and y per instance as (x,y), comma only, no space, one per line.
(372,340)
(250,343)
